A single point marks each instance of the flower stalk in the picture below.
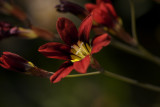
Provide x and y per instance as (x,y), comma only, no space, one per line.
(133,21)
(146,54)
(136,51)
(121,78)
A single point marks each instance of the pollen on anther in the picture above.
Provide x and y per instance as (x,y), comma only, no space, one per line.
(79,51)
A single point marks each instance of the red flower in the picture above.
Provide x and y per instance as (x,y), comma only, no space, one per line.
(15,62)
(104,13)
(77,49)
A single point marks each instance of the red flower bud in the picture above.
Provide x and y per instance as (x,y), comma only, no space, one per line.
(15,62)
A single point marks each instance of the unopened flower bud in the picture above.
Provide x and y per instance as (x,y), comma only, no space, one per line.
(66,6)
(7,30)
(15,62)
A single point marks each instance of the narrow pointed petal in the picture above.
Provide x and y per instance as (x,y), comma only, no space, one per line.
(99,42)
(100,1)
(55,50)
(110,8)
(4,64)
(81,66)
(85,28)
(63,71)
(67,31)
(90,7)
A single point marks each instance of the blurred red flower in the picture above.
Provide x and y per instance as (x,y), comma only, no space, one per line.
(104,13)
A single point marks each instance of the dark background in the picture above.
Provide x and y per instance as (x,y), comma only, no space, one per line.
(19,90)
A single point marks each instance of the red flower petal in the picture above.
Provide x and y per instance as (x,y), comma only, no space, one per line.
(55,50)
(81,66)
(100,1)
(110,8)
(99,42)
(85,28)
(90,7)
(67,30)
(3,63)
(63,71)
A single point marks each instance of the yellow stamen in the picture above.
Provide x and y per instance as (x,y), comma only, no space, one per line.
(31,64)
(120,21)
(75,58)
(95,23)
(83,48)
(88,47)
(80,51)
(105,28)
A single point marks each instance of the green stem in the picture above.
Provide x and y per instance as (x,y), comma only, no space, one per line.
(133,21)
(131,81)
(81,75)
(147,55)
(121,78)
(141,52)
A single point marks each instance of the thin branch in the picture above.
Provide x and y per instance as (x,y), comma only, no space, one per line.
(136,51)
(133,20)
(81,75)
(131,81)
(121,78)
(134,33)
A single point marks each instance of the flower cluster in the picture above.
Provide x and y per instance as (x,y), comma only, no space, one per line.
(77,50)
